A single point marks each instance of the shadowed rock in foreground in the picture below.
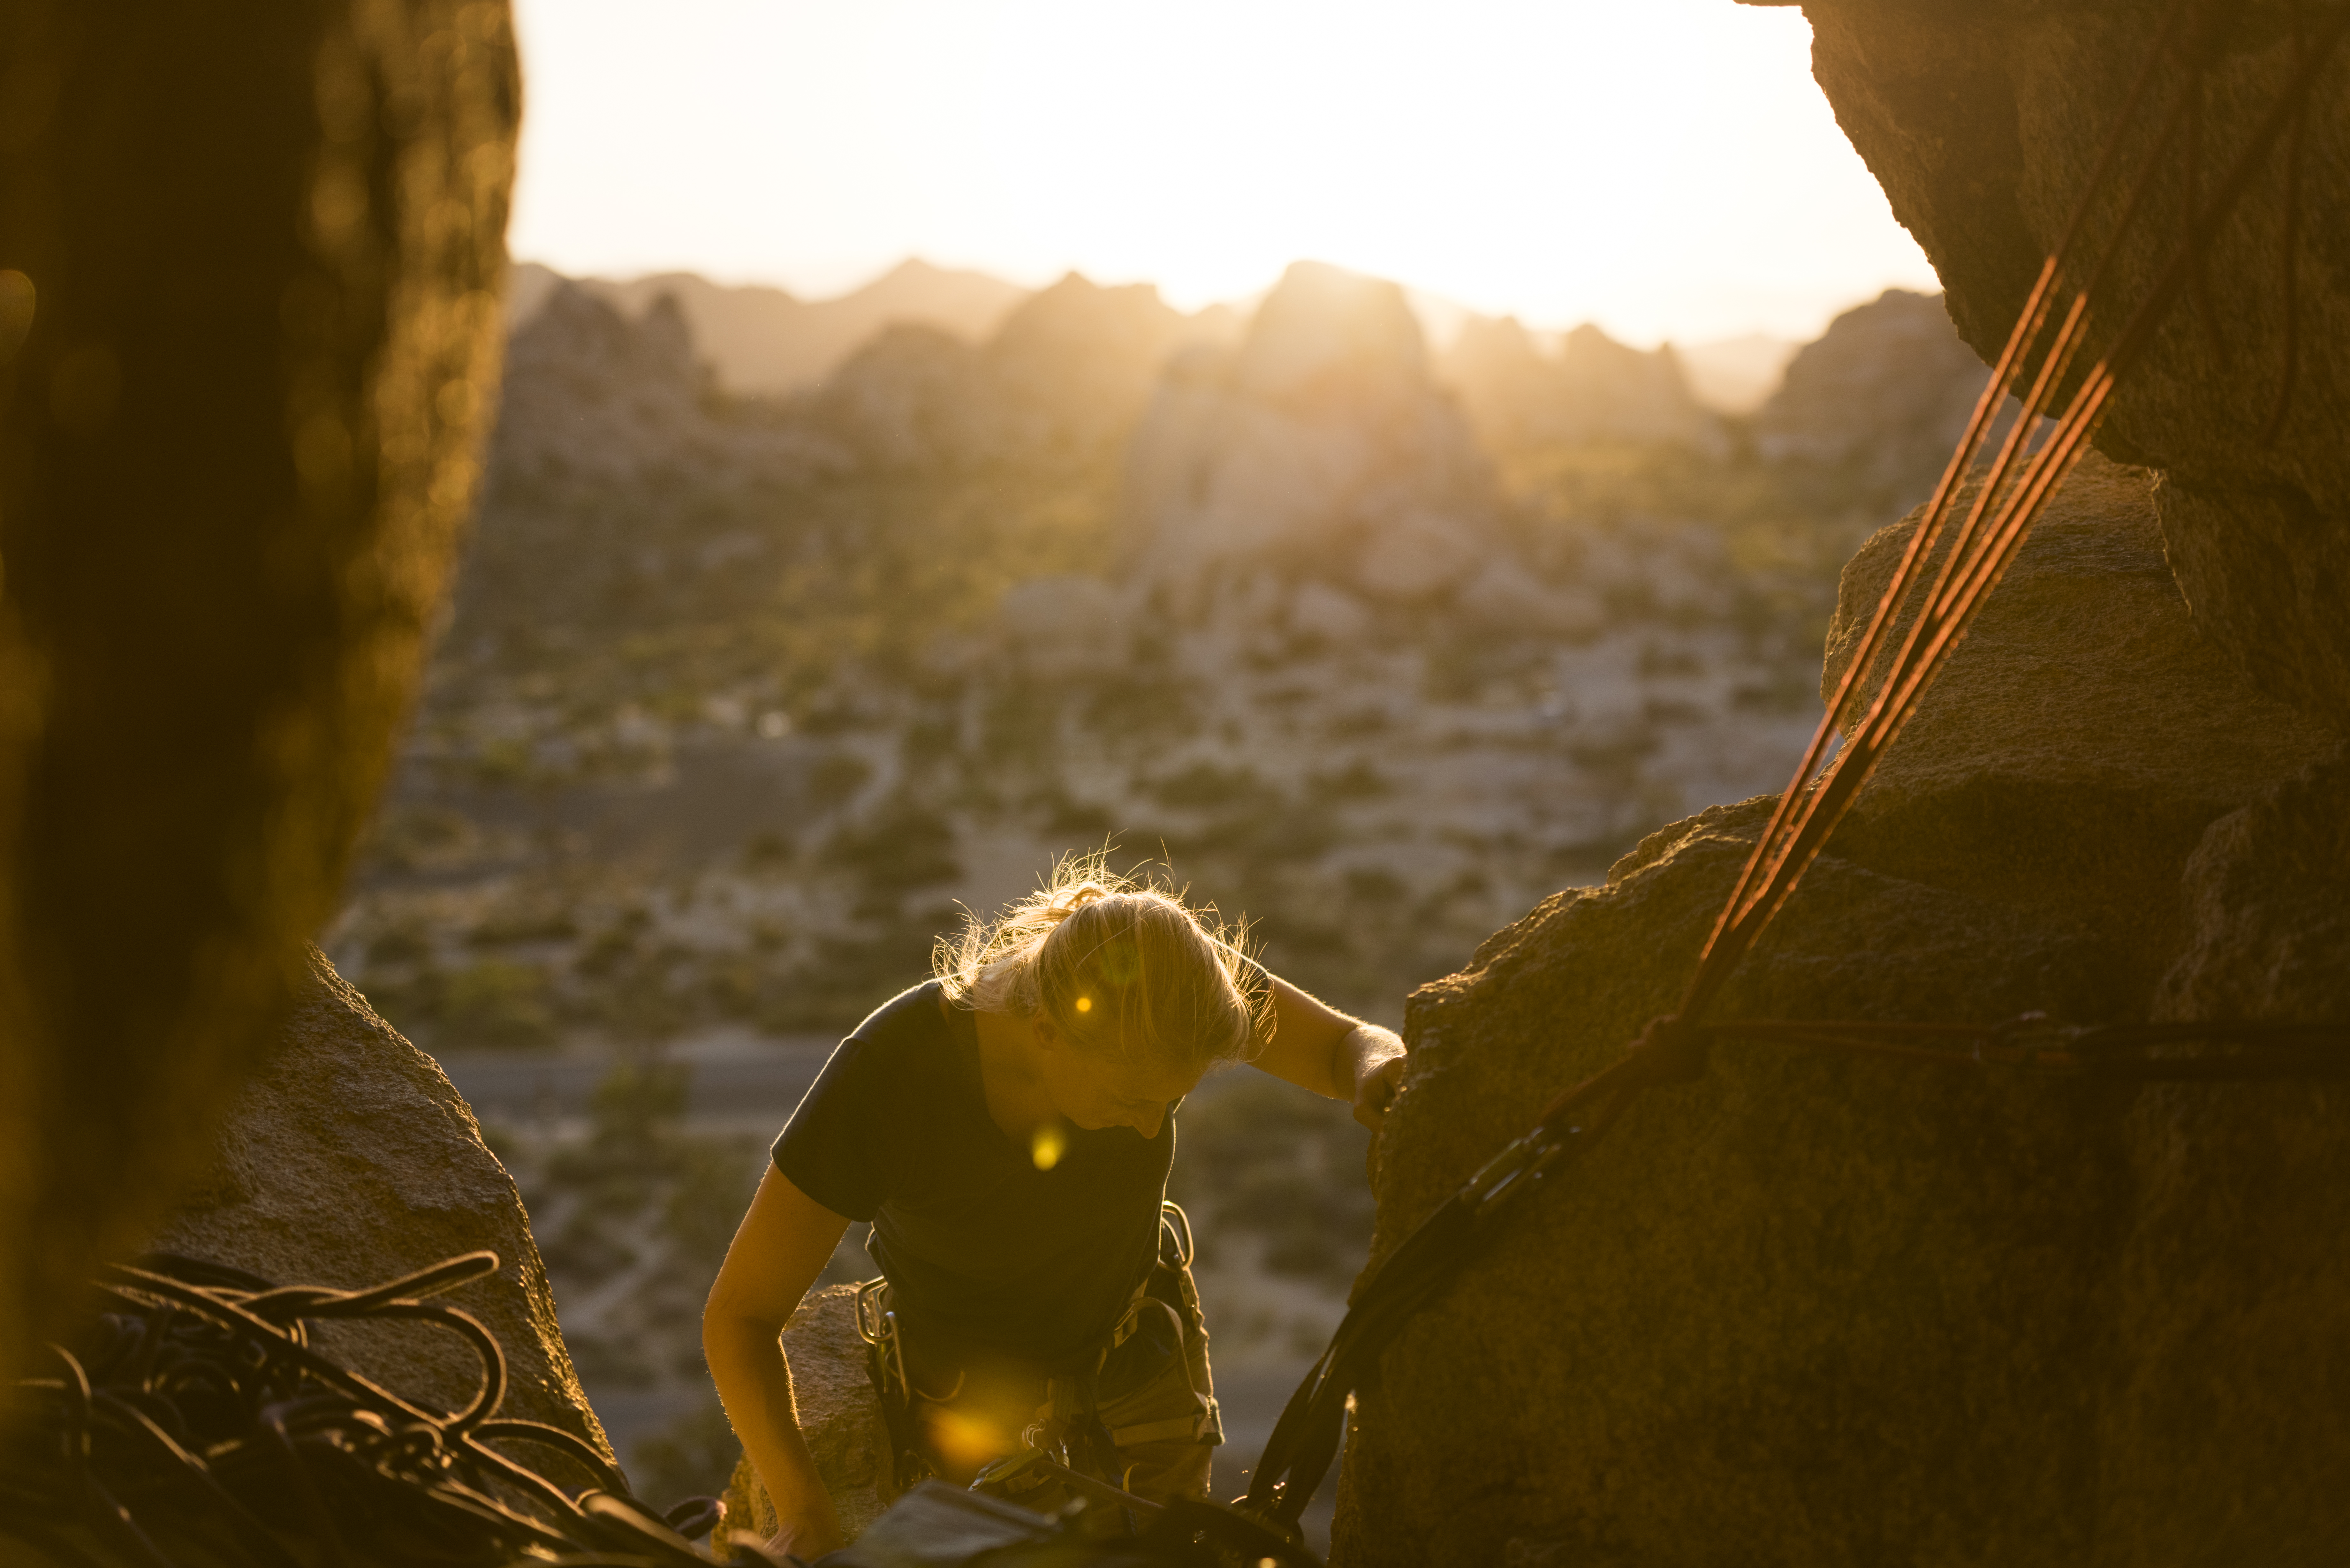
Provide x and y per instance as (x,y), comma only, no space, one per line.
(263,246)
(349,1160)
(1982,123)
(1854,1311)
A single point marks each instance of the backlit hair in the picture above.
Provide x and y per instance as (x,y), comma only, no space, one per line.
(1125,970)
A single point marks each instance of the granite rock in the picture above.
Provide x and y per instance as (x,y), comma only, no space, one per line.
(1982,123)
(1845,1309)
(350,1160)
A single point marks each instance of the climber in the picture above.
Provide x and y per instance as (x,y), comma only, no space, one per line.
(1007,1127)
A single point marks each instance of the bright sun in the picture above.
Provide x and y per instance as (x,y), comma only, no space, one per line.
(1668,168)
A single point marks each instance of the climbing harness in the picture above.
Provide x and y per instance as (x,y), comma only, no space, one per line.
(1066,1443)
(194,1422)
(2039,360)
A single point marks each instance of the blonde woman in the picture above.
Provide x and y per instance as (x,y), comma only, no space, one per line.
(1007,1127)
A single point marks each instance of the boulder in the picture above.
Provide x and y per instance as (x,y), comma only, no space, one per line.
(2234,1277)
(1982,123)
(2082,809)
(251,346)
(839,1415)
(1845,1309)
(352,1159)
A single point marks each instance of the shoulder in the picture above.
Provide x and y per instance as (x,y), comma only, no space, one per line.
(908,1031)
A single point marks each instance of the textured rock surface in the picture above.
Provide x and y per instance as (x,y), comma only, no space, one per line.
(350,1160)
(1982,122)
(2235,1275)
(1858,1311)
(2081,808)
(839,1415)
(264,245)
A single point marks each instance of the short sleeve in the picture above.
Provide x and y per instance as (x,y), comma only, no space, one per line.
(834,1147)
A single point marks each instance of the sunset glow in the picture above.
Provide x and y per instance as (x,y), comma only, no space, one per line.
(1669,170)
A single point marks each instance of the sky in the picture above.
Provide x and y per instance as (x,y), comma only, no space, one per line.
(1666,168)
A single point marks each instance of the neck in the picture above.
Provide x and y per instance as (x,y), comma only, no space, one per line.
(1009,1078)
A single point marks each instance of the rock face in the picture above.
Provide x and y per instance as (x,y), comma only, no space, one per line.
(1850,1311)
(349,1159)
(243,393)
(1983,124)
(839,1415)
(1886,391)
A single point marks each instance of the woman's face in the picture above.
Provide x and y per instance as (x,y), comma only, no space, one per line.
(1094,1091)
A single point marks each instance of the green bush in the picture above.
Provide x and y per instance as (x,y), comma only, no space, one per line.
(497,1003)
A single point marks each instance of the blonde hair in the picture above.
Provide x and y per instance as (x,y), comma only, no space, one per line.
(1123,968)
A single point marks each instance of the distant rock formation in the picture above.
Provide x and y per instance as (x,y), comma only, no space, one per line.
(1736,375)
(1064,377)
(764,341)
(1884,393)
(1320,447)
(350,1160)
(1864,1309)
(1594,389)
(595,401)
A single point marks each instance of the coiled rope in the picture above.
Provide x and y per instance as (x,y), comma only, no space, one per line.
(2037,365)
(195,1424)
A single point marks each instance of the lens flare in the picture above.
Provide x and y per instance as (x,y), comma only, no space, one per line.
(1047,1146)
(964,1439)
(1085,1005)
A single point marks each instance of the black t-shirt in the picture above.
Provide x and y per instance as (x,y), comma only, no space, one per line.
(982,1248)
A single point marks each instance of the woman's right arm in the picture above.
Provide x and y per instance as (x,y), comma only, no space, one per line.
(778,1251)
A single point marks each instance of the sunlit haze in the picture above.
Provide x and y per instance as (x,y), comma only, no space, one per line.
(1667,169)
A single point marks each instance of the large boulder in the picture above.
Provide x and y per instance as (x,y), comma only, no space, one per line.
(2234,1277)
(1845,1309)
(243,370)
(1982,123)
(350,1160)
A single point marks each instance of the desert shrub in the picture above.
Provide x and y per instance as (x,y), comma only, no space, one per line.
(497,1003)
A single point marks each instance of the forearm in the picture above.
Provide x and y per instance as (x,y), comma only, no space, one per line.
(754,1384)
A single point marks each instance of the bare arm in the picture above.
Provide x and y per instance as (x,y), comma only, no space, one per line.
(1317,1047)
(778,1251)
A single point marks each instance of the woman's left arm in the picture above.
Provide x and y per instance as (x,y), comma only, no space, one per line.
(1317,1047)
